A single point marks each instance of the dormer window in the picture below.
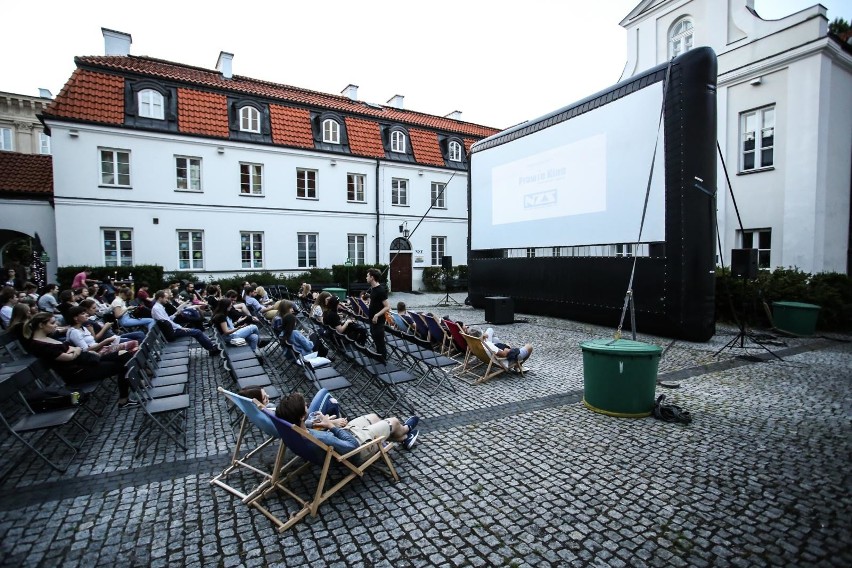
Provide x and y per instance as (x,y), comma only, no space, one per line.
(249,119)
(151,104)
(680,38)
(398,141)
(331,131)
(455,152)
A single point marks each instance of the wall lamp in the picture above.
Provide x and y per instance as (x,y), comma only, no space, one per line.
(220,149)
(73,133)
(403,229)
(333,162)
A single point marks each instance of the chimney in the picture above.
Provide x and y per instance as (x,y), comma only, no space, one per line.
(223,64)
(116,43)
(350,91)
(45,93)
(396,101)
(455,115)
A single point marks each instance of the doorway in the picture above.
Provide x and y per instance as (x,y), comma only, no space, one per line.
(400,266)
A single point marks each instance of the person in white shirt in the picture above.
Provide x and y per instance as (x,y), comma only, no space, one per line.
(158,312)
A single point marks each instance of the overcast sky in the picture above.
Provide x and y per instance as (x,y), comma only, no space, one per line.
(498,62)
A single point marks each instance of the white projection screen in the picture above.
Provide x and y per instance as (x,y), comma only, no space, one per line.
(577,182)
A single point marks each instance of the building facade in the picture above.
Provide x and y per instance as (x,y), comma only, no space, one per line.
(208,172)
(784,123)
(20,129)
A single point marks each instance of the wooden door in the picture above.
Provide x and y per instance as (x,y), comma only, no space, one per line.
(400,271)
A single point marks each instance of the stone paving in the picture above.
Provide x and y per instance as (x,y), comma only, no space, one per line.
(515,472)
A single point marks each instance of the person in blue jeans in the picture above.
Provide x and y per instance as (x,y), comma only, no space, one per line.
(124,315)
(163,297)
(243,328)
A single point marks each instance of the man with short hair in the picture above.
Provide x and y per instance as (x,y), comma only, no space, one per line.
(158,312)
(378,307)
(82,280)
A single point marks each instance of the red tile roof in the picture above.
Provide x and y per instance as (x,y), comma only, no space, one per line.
(426,148)
(23,174)
(291,126)
(365,138)
(90,96)
(200,112)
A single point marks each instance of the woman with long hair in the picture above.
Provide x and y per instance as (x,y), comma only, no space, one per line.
(81,334)
(123,313)
(229,330)
(311,348)
(319,306)
(21,314)
(74,365)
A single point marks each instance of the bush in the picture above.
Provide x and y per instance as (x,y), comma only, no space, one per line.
(433,276)
(150,273)
(357,273)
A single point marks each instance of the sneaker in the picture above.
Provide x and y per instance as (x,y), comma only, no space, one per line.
(412,423)
(410,439)
(131,404)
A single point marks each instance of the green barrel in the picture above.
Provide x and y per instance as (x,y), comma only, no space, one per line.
(795,317)
(339,292)
(620,376)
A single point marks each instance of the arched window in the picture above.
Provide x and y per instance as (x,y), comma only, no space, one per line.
(249,119)
(680,38)
(151,104)
(455,152)
(398,141)
(330,131)
(400,243)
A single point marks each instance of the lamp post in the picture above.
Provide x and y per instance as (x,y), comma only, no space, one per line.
(348,264)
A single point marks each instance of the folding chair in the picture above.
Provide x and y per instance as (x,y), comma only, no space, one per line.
(160,416)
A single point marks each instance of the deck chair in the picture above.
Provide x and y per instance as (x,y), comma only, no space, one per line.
(478,354)
(438,336)
(458,342)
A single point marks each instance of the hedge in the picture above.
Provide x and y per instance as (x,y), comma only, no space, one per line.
(433,276)
(150,273)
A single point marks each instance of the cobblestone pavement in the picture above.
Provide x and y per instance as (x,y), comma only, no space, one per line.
(514,472)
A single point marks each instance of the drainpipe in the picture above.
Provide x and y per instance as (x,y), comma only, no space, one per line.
(378,211)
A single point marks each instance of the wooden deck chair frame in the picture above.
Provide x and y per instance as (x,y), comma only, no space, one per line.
(477,349)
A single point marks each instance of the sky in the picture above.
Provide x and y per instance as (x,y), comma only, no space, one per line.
(500,63)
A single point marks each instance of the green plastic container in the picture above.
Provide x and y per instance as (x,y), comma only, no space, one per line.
(620,376)
(339,292)
(795,317)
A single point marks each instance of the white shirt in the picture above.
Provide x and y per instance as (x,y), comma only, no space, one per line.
(158,312)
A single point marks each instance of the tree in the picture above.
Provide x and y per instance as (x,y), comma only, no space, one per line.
(838,26)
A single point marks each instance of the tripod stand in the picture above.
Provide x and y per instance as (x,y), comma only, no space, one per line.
(447,300)
(744,334)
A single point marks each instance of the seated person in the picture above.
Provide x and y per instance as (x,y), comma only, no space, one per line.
(345,436)
(124,314)
(143,297)
(21,314)
(190,295)
(81,334)
(237,305)
(8,299)
(47,301)
(103,330)
(214,294)
(262,296)
(163,297)
(66,302)
(278,308)
(349,327)
(242,328)
(406,317)
(30,290)
(304,345)
(320,305)
(516,355)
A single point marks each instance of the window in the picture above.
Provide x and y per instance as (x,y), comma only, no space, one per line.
(249,119)
(251,179)
(190,250)
(398,141)
(622,250)
(6,139)
(357,246)
(355,187)
(455,152)
(306,184)
(399,191)
(761,239)
(43,143)
(115,167)
(556,251)
(118,247)
(307,245)
(680,38)
(439,245)
(330,131)
(188,173)
(757,147)
(438,195)
(530,253)
(151,104)
(251,249)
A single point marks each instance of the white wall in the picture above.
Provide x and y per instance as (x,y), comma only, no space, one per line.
(30,217)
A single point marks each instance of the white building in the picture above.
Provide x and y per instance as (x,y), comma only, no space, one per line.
(784,123)
(206,171)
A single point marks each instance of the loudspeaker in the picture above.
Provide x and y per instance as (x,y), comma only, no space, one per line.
(447,263)
(744,263)
(499,309)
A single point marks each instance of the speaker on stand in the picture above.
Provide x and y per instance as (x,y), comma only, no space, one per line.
(447,268)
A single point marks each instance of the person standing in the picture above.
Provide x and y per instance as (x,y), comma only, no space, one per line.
(378,307)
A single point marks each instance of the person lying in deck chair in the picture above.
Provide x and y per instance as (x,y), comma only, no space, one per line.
(343,435)
(514,355)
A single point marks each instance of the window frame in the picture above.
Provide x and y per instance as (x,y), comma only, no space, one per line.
(189,179)
(7,133)
(116,174)
(438,244)
(304,182)
(758,151)
(397,191)
(118,249)
(454,151)
(252,174)
(398,142)
(249,114)
(254,239)
(307,249)
(352,188)
(43,144)
(683,37)
(330,134)
(439,195)
(764,254)
(151,104)
(352,240)
(191,258)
